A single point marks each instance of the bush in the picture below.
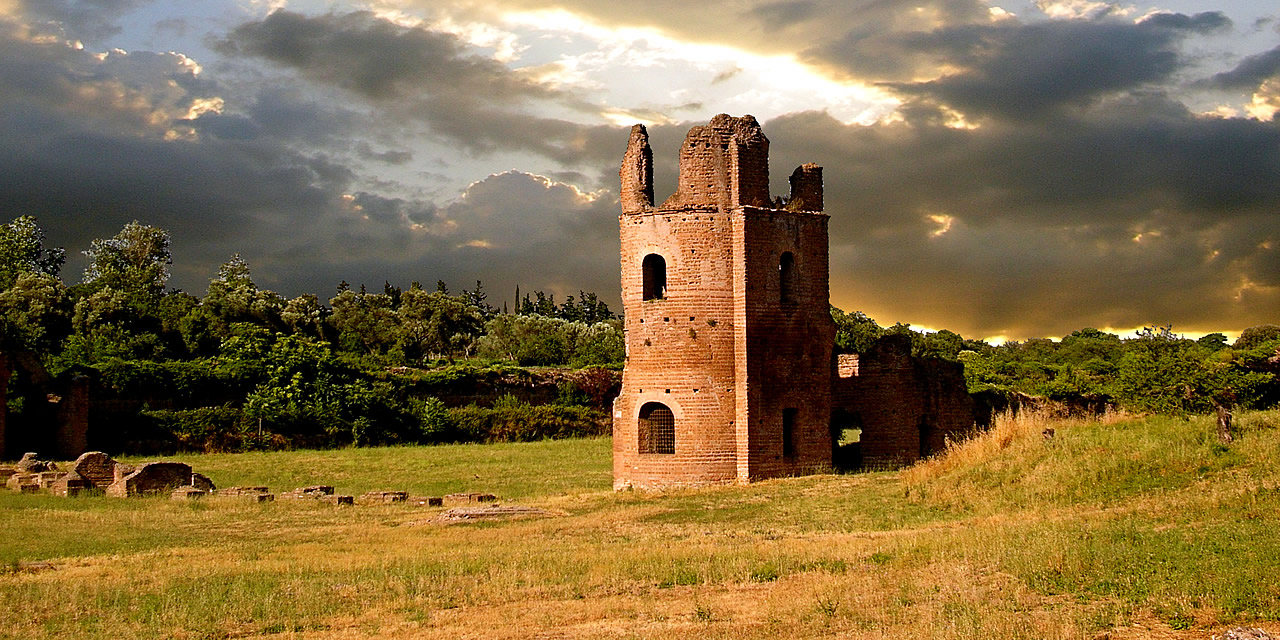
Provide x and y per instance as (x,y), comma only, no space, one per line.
(207,429)
(510,420)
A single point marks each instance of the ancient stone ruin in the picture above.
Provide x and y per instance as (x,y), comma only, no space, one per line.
(725,289)
(98,472)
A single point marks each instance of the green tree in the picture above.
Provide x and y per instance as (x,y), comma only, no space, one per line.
(35,313)
(1255,336)
(134,262)
(855,332)
(233,297)
(436,323)
(22,251)
(305,316)
(366,322)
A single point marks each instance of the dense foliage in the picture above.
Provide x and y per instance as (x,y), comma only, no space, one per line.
(1156,371)
(245,368)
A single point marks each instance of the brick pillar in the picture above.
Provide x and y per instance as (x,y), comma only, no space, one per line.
(72,438)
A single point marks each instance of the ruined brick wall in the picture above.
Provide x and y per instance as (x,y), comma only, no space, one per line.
(806,188)
(637,172)
(723,164)
(72,427)
(718,346)
(784,347)
(906,407)
(679,346)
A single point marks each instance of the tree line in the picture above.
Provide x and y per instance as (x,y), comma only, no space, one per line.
(275,371)
(242,367)
(1155,371)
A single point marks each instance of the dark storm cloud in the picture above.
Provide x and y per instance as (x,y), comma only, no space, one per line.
(416,74)
(82,19)
(88,143)
(509,229)
(1135,212)
(378,59)
(783,14)
(1250,73)
(1016,70)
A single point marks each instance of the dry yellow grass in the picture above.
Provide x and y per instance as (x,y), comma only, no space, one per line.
(1122,527)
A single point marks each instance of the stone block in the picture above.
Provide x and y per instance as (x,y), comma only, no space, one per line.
(202,483)
(312,492)
(152,478)
(187,492)
(96,468)
(468,498)
(242,491)
(385,497)
(25,482)
(69,485)
(46,478)
(29,464)
(339,500)
(252,494)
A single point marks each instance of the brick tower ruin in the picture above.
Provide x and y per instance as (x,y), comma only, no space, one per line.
(728,329)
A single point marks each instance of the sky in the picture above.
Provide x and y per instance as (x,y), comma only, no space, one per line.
(1002,169)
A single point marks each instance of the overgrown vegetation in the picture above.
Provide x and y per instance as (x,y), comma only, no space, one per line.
(244,368)
(1156,371)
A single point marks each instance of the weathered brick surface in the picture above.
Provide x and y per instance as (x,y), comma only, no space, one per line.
(468,498)
(384,496)
(152,477)
(738,344)
(312,492)
(96,468)
(906,407)
(69,485)
(720,348)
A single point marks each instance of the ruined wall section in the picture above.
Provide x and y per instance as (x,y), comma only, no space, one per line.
(806,188)
(783,346)
(636,174)
(679,349)
(723,164)
(907,407)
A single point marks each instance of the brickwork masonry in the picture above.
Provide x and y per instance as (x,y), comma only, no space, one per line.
(728,331)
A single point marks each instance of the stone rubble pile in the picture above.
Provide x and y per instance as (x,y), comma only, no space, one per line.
(96,473)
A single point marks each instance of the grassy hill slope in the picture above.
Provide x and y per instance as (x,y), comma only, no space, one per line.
(1133,527)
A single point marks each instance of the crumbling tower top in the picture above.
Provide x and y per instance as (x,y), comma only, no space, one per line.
(723,165)
(637,172)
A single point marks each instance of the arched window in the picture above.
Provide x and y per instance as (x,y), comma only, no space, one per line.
(657,429)
(655,277)
(787,277)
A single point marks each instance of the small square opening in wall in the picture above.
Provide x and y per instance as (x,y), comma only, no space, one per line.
(668,391)
(691,318)
(666,319)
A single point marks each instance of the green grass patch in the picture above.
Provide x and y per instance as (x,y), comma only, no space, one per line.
(1011,535)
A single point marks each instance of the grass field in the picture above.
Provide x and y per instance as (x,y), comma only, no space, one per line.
(1134,528)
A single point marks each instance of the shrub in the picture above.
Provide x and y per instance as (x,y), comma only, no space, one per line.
(510,420)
